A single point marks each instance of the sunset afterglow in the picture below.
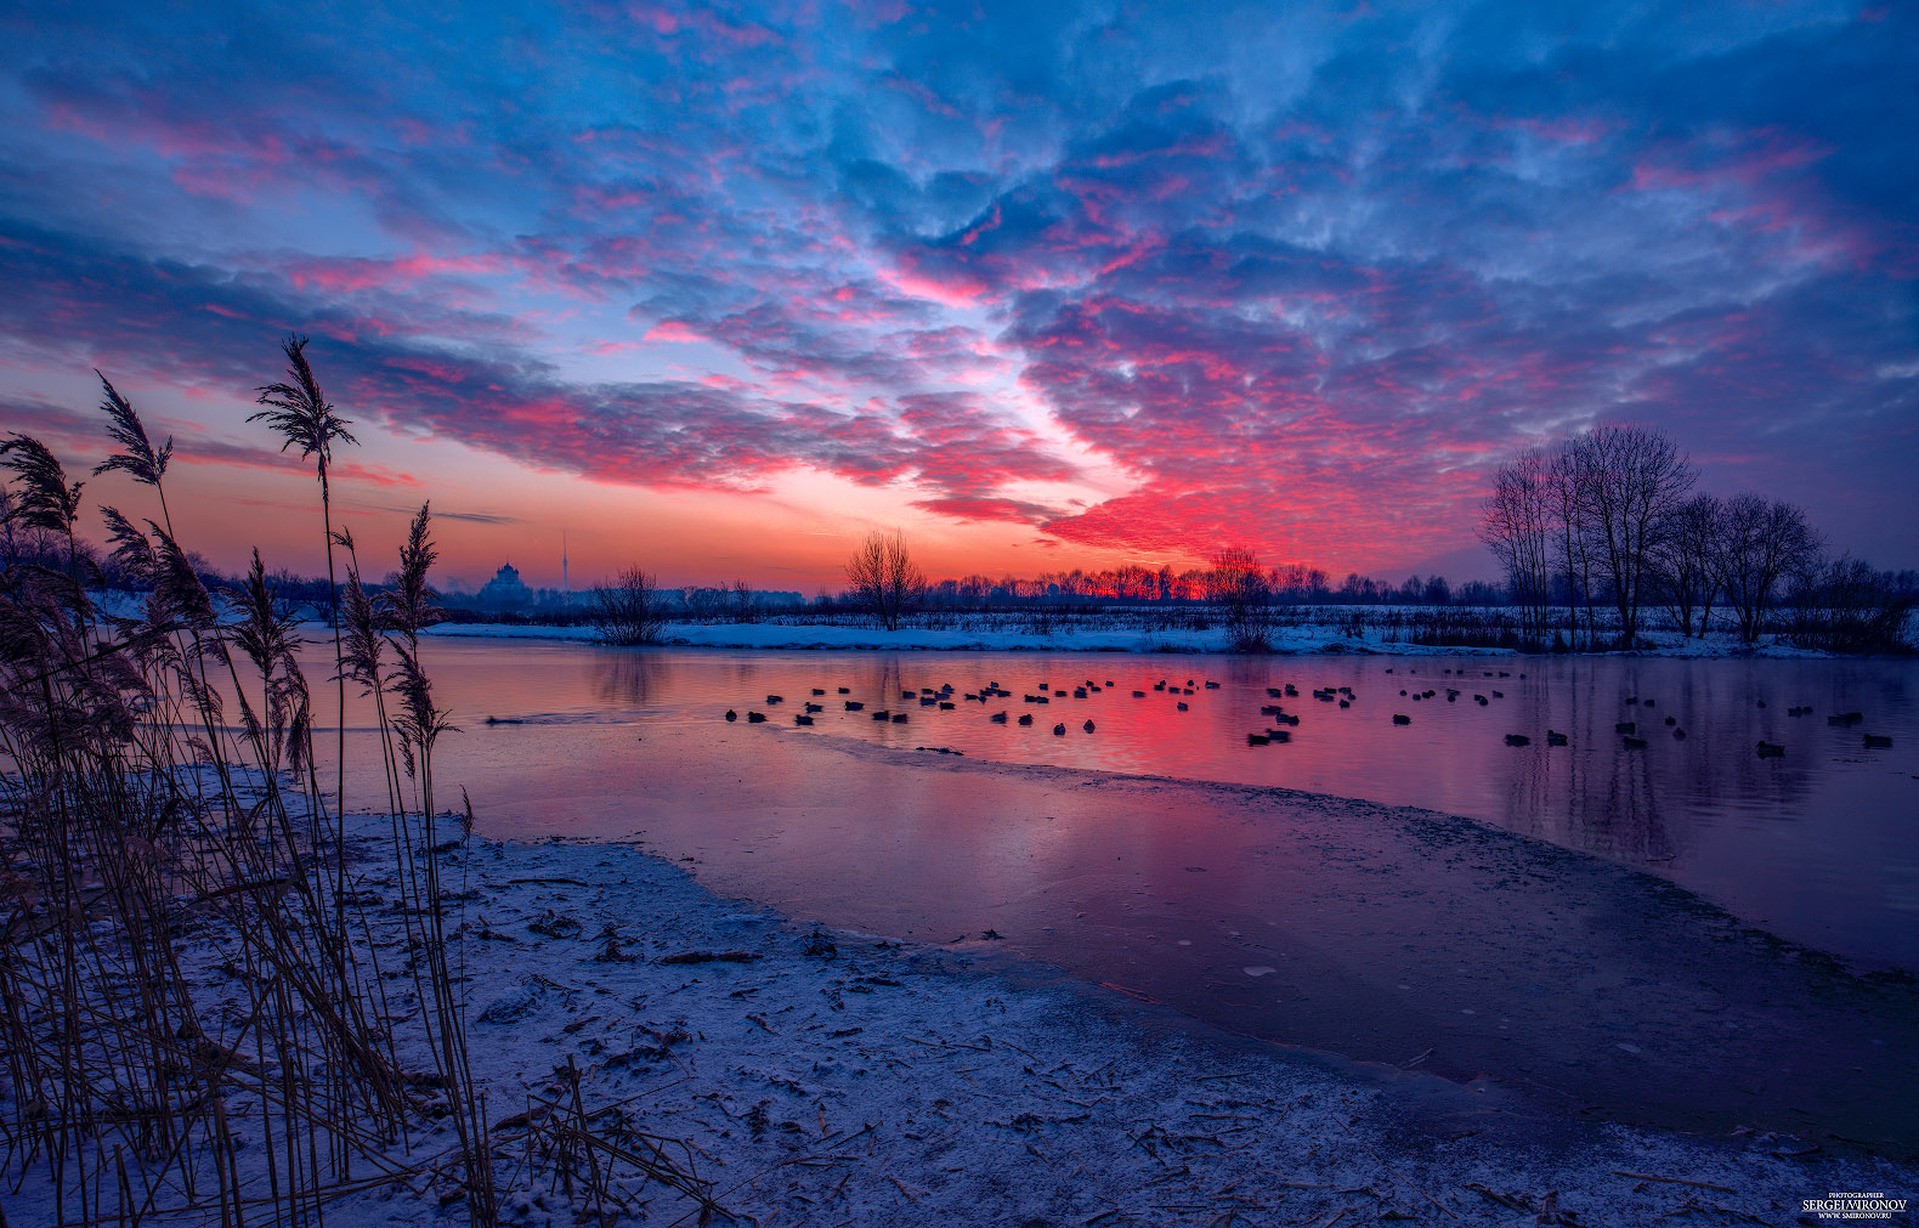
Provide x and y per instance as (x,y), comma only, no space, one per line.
(1045,286)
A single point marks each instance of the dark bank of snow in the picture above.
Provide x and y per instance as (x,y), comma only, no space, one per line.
(825,1079)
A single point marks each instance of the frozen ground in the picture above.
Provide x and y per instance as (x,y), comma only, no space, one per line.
(942,1085)
(833,1078)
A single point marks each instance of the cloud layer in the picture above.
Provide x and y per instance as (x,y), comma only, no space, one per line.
(1142,280)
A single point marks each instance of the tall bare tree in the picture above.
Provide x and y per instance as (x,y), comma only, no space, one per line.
(1637,477)
(1762,543)
(884,578)
(1569,483)
(1516,524)
(1687,558)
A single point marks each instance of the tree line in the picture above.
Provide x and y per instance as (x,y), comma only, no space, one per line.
(1605,527)
(1136,584)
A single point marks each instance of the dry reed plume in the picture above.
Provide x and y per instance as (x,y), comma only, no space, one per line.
(195,1021)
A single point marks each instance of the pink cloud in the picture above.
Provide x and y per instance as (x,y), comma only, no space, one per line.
(672,331)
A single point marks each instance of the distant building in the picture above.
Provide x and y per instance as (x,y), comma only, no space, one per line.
(505,591)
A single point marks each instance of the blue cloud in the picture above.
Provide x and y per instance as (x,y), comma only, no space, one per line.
(1334,262)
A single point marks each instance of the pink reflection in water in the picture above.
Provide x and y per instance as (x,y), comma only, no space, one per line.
(1375,933)
(1817,846)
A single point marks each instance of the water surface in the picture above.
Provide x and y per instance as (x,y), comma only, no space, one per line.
(1572,956)
(1820,846)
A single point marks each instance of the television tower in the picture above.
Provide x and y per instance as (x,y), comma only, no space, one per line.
(566,586)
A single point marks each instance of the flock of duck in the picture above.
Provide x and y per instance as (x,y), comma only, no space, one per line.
(943,698)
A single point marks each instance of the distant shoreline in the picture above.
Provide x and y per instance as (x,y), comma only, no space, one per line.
(1306,639)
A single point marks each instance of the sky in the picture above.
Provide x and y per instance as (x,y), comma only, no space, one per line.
(720,289)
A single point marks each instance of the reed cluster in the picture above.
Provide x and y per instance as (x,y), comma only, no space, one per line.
(194,1015)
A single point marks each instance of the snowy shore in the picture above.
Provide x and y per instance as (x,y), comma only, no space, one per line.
(883,1084)
(828,1077)
(833,1078)
(1093,636)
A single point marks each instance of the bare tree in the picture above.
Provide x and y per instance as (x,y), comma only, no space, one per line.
(884,578)
(1240,587)
(1570,481)
(1687,558)
(1589,516)
(746,607)
(1762,543)
(1637,477)
(629,610)
(1516,524)
(702,603)
(1850,606)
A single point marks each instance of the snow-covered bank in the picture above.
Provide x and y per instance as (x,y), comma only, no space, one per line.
(815,636)
(1092,635)
(941,1085)
(837,1079)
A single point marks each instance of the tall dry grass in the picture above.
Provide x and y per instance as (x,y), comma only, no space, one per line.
(193,1018)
